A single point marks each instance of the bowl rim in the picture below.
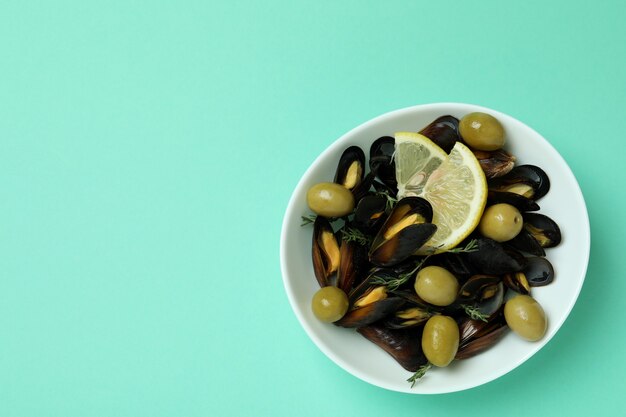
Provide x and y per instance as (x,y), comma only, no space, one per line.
(332,148)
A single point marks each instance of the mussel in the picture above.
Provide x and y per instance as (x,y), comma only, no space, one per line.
(495,163)
(369,213)
(406,229)
(477,335)
(409,316)
(525,242)
(517,281)
(529,181)
(539,271)
(485,293)
(351,167)
(444,131)
(454,262)
(381,161)
(347,271)
(520,202)
(403,345)
(326,253)
(369,306)
(543,229)
(494,258)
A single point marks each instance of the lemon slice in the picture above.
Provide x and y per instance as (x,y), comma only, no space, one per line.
(416,158)
(457,190)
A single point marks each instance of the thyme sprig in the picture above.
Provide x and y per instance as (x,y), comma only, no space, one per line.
(351,234)
(306,220)
(393,283)
(421,371)
(391,200)
(472,246)
(474,313)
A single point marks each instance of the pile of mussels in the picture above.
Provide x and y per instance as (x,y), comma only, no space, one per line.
(429,310)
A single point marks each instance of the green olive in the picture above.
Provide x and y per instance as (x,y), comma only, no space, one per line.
(436,285)
(525,316)
(440,340)
(501,222)
(481,131)
(330,200)
(329,304)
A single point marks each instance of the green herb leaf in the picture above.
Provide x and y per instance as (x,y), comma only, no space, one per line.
(393,283)
(474,313)
(306,220)
(419,374)
(472,246)
(350,234)
(391,200)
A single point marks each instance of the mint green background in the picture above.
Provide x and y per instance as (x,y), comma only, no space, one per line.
(147,154)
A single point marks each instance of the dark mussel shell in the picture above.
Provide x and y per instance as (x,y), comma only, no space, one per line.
(529,181)
(326,253)
(495,163)
(454,262)
(520,202)
(494,258)
(491,300)
(370,302)
(370,313)
(481,344)
(484,292)
(539,271)
(543,229)
(369,213)
(478,336)
(404,345)
(381,161)
(472,290)
(351,167)
(353,265)
(409,316)
(470,329)
(517,282)
(406,229)
(444,131)
(525,242)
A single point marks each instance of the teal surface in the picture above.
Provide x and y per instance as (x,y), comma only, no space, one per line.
(147,154)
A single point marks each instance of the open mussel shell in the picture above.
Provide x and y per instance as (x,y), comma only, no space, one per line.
(471,329)
(369,213)
(478,336)
(453,262)
(495,163)
(523,204)
(538,271)
(326,253)
(494,258)
(444,131)
(369,313)
(491,300)
(473,288)
(483,292)
(529,181)
(406,229)
(543,229)
(525,242)
(381,161)
(404,345)
(348,268)
(408,316)
(351,167)
(517,281)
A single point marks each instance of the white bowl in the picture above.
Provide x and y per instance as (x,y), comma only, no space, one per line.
(348,349)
